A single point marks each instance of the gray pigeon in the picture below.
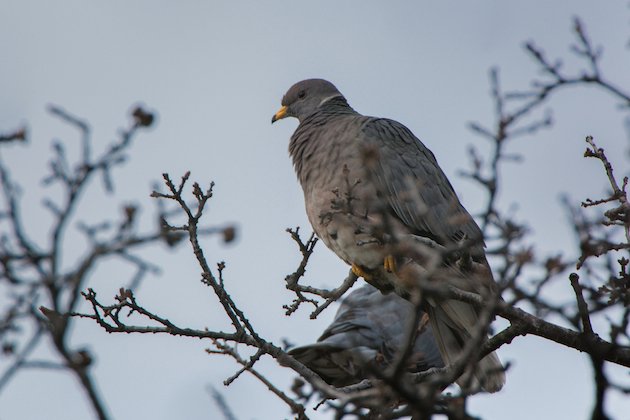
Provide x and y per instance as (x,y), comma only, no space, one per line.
(367,333)
(376,196)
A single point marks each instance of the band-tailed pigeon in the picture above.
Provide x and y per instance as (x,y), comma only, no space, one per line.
(367,333)
(376,196)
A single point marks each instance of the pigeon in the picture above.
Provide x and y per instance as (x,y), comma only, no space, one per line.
(368,332)
(376,196)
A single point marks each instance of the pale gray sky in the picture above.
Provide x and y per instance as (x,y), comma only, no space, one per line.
(215,72)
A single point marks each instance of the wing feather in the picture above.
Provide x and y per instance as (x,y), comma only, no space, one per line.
(417,190)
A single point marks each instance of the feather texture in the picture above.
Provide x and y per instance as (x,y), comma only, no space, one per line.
(373,190)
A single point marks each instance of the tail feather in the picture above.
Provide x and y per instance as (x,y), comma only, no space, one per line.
(452,321)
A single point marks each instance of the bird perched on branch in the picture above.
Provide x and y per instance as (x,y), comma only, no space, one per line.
(368,332)
(376,196)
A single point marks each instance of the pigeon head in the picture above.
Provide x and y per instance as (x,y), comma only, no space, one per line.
(306,97)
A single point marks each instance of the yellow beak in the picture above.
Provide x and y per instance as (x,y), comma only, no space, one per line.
(282,112)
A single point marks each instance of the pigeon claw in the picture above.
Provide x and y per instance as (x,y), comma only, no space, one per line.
(360,272)
(389,263)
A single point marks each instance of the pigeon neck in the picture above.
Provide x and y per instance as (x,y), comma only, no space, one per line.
(337,105)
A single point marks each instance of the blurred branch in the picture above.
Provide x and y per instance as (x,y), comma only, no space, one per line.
(591,75)
(219,400)
(19,135)
(35,273)
(516,260)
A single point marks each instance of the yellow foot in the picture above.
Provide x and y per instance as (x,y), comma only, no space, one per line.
(389,263)
(359,272)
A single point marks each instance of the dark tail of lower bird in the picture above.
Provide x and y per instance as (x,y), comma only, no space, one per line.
(452,322)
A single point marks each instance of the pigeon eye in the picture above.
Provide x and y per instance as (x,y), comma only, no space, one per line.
(301,94)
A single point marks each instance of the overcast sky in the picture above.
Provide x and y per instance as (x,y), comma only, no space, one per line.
(215,73)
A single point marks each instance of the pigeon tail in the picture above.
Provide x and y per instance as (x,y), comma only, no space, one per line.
(452,322)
